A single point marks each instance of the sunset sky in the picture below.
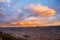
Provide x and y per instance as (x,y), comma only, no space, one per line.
(29,12)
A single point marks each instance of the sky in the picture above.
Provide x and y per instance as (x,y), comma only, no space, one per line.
(30,12)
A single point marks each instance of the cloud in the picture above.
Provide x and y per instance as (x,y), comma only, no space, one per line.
(34,15)
(40,10)
(36,21)
(43,16)
(5,1)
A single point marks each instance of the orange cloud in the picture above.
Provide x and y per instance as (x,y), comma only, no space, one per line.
(31,21)
(43,18)
(41,10)
(35,23)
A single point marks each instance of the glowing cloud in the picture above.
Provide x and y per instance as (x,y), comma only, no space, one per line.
(42,19)
(40,16)
(40,10)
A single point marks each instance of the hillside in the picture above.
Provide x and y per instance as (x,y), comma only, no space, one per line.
(34,33)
